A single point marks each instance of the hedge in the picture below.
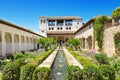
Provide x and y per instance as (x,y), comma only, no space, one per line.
(26,72)
(106,72)
(41,73)
(74,73)
(11,71)
(28,69)
(89,72)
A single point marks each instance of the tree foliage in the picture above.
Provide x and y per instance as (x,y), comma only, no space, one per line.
(74,42)
(46,42)
(99,30)
(116,13)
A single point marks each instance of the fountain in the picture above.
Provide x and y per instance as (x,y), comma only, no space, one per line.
(59,67)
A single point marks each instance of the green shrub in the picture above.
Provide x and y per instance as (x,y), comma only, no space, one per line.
(89,72)
(41,73)
(27,72)
(11,71)
(101,58)
(117,68)
(74,73)
(18,55)
(106,72)
(28,55)
(21,61)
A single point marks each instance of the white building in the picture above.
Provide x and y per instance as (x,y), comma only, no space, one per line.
(68,24)
(14,38)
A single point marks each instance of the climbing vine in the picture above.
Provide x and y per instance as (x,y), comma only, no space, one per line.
(117,43)
(99,30)
(89,40)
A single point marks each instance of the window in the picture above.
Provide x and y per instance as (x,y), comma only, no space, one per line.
(68,22)
(60,23)
(77,23)
(66,28)
(61,28)
(69,28)
(52,28)
(41,21)
(89,26)
(49,28)
(42,31)
(58,28)
(51,23)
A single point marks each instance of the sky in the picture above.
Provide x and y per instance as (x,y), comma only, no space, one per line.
(26,13)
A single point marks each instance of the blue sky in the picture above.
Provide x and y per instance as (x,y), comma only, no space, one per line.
(27,12)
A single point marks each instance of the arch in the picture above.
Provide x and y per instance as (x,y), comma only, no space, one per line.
(8,37)
(22,39)
(31,40)
(16,38)
(27,40)
(0,37)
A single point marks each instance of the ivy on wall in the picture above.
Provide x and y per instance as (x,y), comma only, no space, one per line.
(117,43)
(99,30)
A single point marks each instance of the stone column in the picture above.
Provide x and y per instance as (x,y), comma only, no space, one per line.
(85,43)
(3,43)
(113,21)
(12,43)
(55,22)
(25,43)
(19,43)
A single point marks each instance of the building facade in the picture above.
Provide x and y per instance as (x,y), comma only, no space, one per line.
(14,39)
(60,28)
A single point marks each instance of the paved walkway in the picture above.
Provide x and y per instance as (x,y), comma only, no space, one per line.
(70,59)
(49,60)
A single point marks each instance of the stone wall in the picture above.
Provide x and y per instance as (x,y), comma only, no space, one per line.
(108,41)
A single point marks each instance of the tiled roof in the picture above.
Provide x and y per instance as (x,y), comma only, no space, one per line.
(18,27)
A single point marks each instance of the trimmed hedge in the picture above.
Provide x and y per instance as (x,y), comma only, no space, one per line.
(28,69)
(74,73)
(26,72)
(89,72)
(41,73)
(11,71)
(101,58)
(106,72)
